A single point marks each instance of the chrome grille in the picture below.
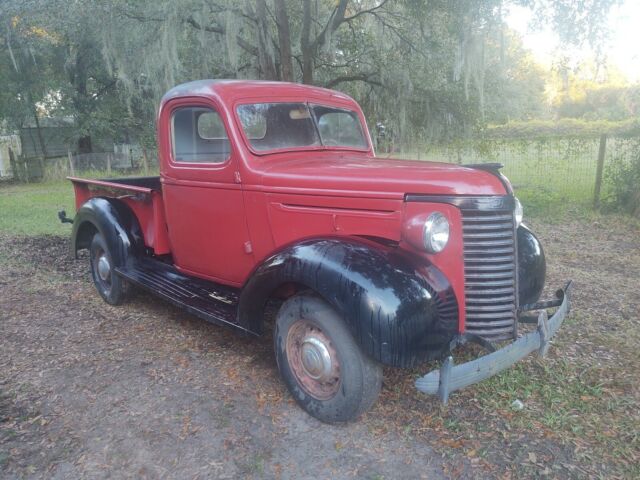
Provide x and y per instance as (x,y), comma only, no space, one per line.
(490,273)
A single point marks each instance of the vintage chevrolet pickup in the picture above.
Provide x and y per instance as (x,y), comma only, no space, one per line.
(270,193)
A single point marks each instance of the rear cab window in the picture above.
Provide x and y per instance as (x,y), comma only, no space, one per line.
(198,136)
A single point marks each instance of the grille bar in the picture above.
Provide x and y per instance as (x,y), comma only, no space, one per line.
(488,308)
(493,299)
(490,273)
(492,268)
(485,226)
(490,218)
(489,243)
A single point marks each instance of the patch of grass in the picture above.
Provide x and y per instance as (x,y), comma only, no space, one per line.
(550,205)
(579,403)
(253,465)
(32,209)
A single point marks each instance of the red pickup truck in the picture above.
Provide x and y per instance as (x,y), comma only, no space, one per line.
(271,193)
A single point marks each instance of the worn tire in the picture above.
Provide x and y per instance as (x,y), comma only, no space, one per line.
(111,287)
(359,377)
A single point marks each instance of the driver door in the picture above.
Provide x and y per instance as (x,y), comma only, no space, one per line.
(202,195)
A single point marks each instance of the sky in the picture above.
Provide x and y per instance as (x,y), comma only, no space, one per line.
(622,49)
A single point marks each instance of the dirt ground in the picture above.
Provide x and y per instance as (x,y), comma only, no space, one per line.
(93,391)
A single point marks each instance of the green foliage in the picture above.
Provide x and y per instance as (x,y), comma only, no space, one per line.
(514,83)
(605,102)
(623,182)
(428,70)
(29,70)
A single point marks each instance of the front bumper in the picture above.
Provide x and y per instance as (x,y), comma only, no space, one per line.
(450,377)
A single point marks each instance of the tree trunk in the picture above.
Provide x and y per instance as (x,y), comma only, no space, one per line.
(284,40)
(82,103)
(42,144)
(310,48)
(34,112)
(265,57)
(307,51)
(84,144)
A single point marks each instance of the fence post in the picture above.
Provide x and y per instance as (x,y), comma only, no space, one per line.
(14,165)
(145,161)
(71,169)
(600,168)
(108,164)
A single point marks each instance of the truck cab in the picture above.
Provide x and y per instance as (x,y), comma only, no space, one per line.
(272,192)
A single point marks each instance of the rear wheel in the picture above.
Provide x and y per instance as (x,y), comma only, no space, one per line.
(111,287)
(320,362)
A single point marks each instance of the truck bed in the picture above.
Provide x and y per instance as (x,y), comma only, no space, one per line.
(143,195)
(124,183)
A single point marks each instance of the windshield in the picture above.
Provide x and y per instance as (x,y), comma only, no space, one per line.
(272,126)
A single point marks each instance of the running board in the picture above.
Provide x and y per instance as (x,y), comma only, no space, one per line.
(210,301)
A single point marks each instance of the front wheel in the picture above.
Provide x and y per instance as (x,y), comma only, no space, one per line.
(320,362)
(111,287)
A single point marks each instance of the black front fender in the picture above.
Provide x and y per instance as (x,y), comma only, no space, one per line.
(532,266)
(117,224)
(400,309)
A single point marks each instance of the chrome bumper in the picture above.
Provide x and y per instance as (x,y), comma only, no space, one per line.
(450,377)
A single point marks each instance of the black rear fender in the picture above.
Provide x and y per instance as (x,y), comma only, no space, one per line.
(400,309)
(117,224)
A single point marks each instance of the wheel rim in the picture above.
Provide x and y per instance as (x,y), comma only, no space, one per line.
(313,360)
(102,267)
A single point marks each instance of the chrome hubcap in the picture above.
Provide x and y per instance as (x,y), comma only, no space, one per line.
(316,359)
(104,267)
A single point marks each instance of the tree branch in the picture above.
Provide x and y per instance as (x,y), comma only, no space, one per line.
(104,89)
(242,43)
(363,77)
(335,20)
(364,12)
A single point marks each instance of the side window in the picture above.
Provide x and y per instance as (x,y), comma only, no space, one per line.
(198,136)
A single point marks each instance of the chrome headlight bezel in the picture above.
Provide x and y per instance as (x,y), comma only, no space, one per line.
(518,212)
(436,232)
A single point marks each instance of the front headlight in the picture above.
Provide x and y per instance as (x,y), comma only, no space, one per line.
(518,212)
(436,232)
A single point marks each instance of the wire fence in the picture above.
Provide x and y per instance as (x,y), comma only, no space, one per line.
(559,168)
(88,164)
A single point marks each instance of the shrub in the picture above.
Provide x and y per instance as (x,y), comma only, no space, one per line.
(623,182)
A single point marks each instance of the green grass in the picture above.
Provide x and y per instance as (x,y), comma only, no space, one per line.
(32,209)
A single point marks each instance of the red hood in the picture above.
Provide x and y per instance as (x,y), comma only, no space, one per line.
(385,177)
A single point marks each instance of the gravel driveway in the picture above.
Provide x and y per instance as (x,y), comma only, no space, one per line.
(146,391)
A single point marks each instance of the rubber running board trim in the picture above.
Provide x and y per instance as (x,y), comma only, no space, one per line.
(210,301)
